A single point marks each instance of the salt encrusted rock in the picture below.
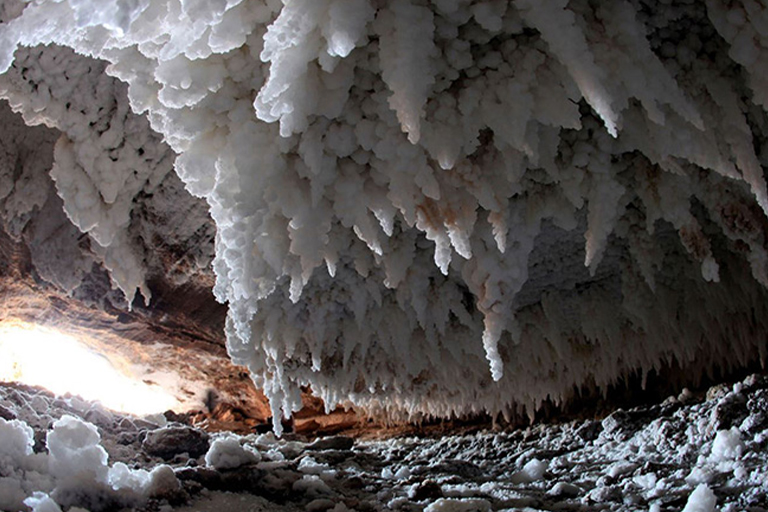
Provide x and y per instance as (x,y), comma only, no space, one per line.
(227,452)
(564,490)
(99,417)
(757,421)
(426,490)
(7,414)
(168,442)
(758,402)
(717,392)
(165,486)
(730,410)
(620,425)
(606,494)
(589,430)
(754,382)
(332,457)
(464,468)
(332,443)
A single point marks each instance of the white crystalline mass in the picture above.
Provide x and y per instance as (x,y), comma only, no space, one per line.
(74,469)
(312,485)
(226,452)
(75,453)
(17,438)
(727,445)
(406,193)
(41,502)
(702,499)
(16,441)
(533,470)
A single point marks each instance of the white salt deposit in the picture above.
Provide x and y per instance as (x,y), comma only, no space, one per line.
(702,499)
(311,485)
(727,445)
(226,452)
(76,457)
(399,188)
(41,502)
(73,470)
(532,470)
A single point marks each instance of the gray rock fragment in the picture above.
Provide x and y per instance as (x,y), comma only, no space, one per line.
(332,443)
(168,442)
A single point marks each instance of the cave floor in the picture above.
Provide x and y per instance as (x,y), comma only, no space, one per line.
(701,453)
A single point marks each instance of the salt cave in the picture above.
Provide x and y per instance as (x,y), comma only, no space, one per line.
(418,208)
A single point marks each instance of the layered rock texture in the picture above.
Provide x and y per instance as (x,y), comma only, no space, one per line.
(418,207)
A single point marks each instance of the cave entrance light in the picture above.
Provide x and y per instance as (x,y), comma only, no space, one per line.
(41,356)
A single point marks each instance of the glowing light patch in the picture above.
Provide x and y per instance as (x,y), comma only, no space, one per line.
(40,356)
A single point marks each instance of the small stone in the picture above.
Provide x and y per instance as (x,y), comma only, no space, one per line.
(755,381)
(41,442)
(686,397)
(426,490)
(168,442)
(564,490)
(717,392)
(180,458)
(127,438)
(730,411)
(172,416)
(461,468)
(332,443)
(7,414)
(291,449)
(206,477)
(621,425)
(670,400)
(165,486)
(354,483)
(605,494)
(589,430)
(605,481)
(99,418)
(331,457)
(319,505)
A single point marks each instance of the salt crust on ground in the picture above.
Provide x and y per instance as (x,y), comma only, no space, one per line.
(426,207)
(699,455)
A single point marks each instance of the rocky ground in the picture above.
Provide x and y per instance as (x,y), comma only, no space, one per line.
(692,452)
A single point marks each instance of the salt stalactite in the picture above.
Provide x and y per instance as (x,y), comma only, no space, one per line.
(407,193)
(104,158)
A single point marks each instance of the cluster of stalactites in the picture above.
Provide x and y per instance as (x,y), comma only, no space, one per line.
(381,173)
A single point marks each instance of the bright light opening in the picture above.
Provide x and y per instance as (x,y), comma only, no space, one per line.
(43,357)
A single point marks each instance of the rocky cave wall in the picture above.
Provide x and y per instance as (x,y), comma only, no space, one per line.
(419,207)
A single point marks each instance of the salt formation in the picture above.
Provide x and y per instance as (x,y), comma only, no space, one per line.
(407,193)
(74,470)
